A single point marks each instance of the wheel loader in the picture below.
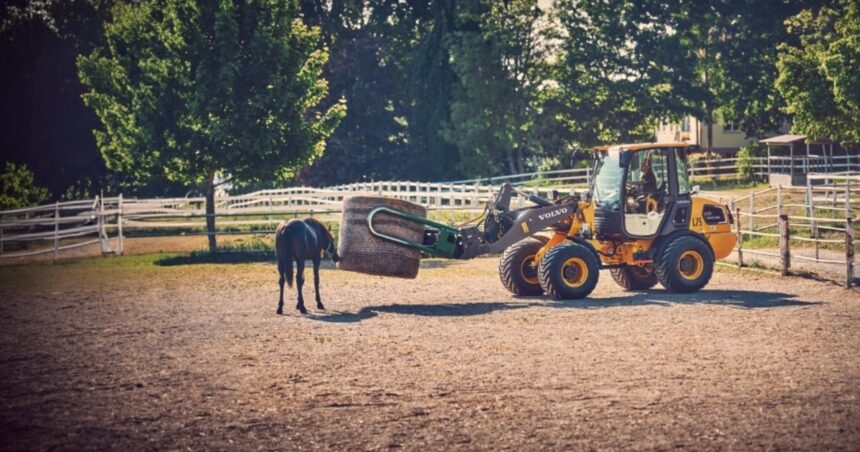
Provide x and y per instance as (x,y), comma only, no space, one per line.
(640,219)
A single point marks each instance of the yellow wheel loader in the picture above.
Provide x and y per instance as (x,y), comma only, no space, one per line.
(640,220)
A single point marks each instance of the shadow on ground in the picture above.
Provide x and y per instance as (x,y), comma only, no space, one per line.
(250,256)
(746,299)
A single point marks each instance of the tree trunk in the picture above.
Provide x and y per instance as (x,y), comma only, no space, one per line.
(210,212)
(512,166)
(519,157)
(710,125)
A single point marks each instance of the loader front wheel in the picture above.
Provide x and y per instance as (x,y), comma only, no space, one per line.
(685,265)
(635,278)
(568,271)
(518,270)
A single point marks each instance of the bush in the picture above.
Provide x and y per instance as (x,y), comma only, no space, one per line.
(747,157)
(19,188)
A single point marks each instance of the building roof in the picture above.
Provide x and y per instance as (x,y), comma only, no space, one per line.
(791,139)
(644,146)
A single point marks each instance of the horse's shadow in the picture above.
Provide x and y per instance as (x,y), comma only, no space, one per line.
(744,299)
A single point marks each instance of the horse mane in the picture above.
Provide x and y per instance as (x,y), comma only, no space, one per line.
(320,227)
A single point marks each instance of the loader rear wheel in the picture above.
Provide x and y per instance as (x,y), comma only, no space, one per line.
(518,270)
(568,271)
(634,277)
(685,265)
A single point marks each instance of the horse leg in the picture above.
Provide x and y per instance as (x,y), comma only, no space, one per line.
(300,282)
(317,282)
(281,280)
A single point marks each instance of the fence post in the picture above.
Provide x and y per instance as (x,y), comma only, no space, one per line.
(779,200)
(740,238)
(270,211)
(100,221)
(849,252)
(752,211)
(120,244)
(56,230)
(810,212)
(847,198)
(784,248)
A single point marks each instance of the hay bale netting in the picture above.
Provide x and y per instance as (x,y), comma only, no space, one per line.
(362,252)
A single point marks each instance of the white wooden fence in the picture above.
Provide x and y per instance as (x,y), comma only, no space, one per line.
(62,226)
(812,217)
(53,228)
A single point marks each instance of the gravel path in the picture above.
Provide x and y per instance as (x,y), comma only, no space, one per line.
(123,354)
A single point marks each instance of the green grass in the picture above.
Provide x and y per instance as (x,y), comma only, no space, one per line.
(730,185)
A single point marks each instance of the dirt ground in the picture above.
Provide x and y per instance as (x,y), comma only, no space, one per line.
(122,353)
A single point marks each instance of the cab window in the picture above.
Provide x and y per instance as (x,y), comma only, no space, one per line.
(647,189)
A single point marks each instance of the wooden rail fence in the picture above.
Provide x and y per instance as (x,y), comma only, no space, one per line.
(815,216)
(50,229)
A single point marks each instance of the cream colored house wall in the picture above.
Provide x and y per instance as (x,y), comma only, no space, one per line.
(698,132)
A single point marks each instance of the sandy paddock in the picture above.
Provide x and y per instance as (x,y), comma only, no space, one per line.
(120,353)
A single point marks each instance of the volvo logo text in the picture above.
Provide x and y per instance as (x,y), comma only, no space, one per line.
(552,214)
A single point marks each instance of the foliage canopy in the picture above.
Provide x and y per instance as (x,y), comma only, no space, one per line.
(192,89)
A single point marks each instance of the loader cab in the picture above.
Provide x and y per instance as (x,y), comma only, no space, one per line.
(640,191)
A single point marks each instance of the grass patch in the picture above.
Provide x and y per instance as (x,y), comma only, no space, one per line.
(730,184)
(218,257)
(255,249)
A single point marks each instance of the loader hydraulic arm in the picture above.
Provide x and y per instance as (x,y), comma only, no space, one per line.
(502,227)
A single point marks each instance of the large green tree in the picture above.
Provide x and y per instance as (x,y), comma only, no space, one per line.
(620,68)
(198,89)
(371,42)
(820,78)
(499,57)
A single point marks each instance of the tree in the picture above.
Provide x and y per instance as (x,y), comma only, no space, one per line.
(500,61)
(619,69)
(365,68)
(19,188)
(820,79)
(746,90)
(43,122)
(732,45)
(429,90)
(191,90)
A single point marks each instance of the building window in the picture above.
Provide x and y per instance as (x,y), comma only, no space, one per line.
(685,124)
(731,126)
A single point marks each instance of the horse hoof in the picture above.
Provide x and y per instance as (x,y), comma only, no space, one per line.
(321,307)
(279,311)
(303,310)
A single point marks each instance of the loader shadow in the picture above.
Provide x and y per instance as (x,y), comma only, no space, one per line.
(424,310)
(744,299)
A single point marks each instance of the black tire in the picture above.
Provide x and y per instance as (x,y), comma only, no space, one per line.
(685,265)
(634,277)
(568,271)
(517,270)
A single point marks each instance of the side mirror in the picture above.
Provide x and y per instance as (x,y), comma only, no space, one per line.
(695,190)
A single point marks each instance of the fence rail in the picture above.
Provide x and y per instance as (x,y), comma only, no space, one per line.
(814,215)
(52,228)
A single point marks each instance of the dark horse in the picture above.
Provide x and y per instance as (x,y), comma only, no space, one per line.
(301,240)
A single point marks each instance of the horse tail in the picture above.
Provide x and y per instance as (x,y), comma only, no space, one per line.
(284,252)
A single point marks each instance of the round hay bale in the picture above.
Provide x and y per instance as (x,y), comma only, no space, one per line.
(360,251)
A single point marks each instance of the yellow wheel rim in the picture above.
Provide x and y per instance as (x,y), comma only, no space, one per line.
(691,265)
(529,270)
(574,272)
